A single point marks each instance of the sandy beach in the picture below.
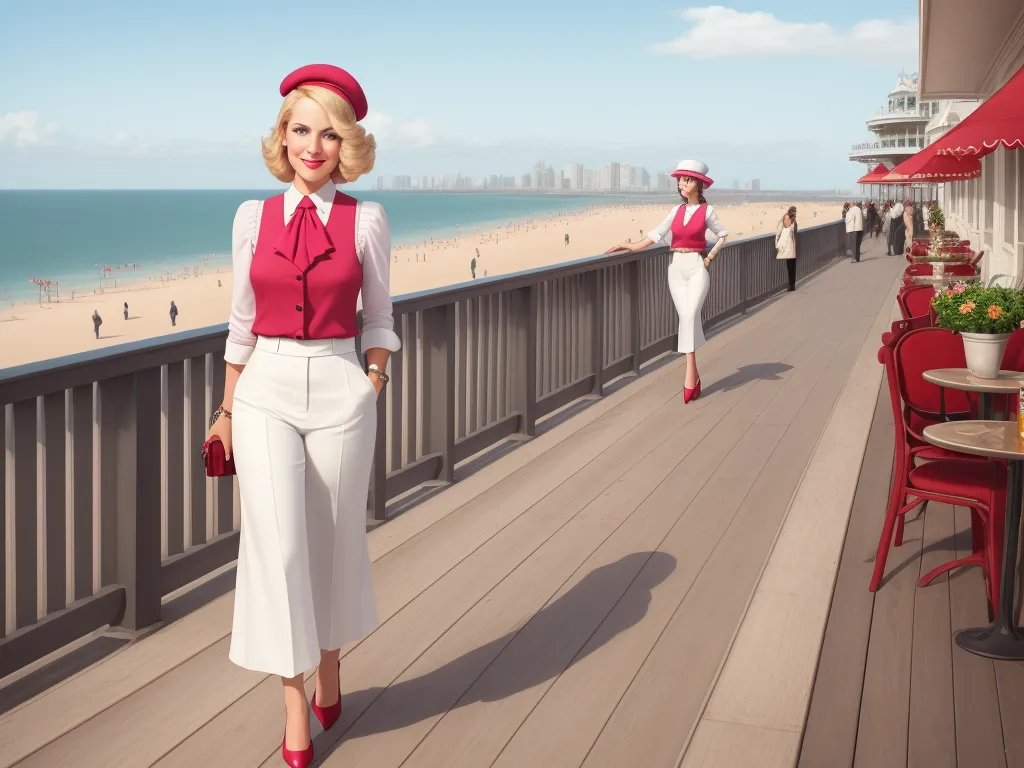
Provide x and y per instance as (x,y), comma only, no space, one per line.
(30,332)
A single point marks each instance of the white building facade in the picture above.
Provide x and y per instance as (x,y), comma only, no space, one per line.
(990,210)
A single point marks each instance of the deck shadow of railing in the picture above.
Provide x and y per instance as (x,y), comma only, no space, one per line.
(105,500)
(606,602)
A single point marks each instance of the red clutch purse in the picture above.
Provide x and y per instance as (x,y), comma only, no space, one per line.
(217,463)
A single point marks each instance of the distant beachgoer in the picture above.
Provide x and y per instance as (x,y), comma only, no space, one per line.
(472,268)
(174,313)
(218,283)
(785,244)
(97,321)
(126,310)
(566,240)
(688,277)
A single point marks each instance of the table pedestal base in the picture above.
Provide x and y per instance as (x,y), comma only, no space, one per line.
(1004,643)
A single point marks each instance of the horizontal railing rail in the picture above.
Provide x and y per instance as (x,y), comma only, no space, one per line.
(105,500)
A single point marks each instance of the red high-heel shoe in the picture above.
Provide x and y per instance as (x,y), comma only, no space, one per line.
(297,758)
(328,716)
(696,390)
(688,394)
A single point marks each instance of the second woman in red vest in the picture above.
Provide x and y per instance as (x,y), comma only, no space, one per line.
(299,410)
(688,278)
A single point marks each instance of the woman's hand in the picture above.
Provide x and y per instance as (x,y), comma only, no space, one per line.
(222,428)
(707,262)
(621,247)
(378,385)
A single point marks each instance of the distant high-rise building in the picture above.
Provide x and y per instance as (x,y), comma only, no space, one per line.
(559,179)
(625,180)
(664,182)
(577,179)
(525,181)
(755,185)
(615,179)
(735,183)
(645,179)
(549,178)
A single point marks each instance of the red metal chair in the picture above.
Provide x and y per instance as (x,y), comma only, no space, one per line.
(918,269)
(916,301)
(973,261)
(945,476)
(966,270)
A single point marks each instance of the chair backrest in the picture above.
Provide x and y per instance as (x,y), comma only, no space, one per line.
(922,350)
(1013,356)
(966,270)
(976,258)
(916,301)
(885,356)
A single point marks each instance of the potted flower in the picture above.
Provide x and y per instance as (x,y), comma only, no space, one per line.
(985,318)
(936,218)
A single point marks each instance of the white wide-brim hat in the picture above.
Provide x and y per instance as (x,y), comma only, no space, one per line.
(694,168)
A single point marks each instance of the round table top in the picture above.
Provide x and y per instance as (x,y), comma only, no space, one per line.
(1008,382)
(995,439)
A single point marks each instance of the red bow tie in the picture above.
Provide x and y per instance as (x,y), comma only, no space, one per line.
(304,240)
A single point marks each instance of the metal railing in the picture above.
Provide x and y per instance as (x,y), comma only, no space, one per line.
(104,496)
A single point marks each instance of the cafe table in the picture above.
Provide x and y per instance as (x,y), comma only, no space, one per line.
(1002,639)
(1007,383)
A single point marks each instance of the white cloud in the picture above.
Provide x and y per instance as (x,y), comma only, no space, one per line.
(717,32)
(388,131)
(25,128)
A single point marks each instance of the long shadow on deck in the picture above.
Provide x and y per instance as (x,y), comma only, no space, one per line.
(584,611)
(748,373)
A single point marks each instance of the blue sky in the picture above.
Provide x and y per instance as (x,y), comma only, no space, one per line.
(175,95)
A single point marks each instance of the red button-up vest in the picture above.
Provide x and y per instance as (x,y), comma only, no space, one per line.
(690,236)
(318,302)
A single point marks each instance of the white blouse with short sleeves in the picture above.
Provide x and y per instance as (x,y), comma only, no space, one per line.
(373,248)
(665,228)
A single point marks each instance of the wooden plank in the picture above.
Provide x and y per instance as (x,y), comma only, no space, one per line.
(830,734)
(932,733)
(885,707)
(727,745)
(979,738)
(1010,680)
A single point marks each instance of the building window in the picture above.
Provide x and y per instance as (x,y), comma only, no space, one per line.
(935,107)
(1010,202)
(911,102)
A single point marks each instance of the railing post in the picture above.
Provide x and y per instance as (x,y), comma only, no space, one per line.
(24,553)
(597,330)
(524,335)
(130,461)
(634,312)
(439,383)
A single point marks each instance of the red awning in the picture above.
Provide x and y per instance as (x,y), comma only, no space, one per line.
(875,175)
(998,121)
(926,167)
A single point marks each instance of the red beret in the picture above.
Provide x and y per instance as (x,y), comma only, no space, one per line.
(333,79)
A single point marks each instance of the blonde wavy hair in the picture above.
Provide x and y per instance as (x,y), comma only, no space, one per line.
(358,148)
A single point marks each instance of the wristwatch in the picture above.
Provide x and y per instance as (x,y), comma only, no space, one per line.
(384,378)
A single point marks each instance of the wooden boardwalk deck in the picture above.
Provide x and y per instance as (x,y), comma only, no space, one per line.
(570,604)
(893,689)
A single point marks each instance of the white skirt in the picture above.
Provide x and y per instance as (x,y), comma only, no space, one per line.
(689,282)
(303,430)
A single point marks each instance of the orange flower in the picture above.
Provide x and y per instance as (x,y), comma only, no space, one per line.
(967,307)
(994,311)
(949,292)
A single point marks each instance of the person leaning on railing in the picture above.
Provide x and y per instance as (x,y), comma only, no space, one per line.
(299,412)
(688,277)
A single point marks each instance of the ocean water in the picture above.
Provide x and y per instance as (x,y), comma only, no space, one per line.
(69,236)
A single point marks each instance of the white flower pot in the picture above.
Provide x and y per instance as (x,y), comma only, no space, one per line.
(984,352)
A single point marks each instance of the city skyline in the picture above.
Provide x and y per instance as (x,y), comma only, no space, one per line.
(575,177)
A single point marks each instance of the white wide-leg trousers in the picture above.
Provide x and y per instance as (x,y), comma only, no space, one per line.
(689,282)
(303,427)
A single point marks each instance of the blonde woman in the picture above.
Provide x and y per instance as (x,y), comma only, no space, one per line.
(785,244)
(299,411)
(688,278)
